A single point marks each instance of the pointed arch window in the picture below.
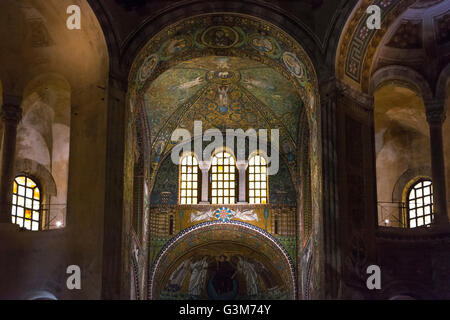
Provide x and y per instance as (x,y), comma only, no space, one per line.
(26,203)
(257,180)
(420,204)
(223,178)
(189,185)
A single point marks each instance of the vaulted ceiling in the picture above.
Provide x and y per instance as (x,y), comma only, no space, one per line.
(419,39)
(127,16)
(226,92)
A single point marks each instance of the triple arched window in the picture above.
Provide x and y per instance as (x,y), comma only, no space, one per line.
(420,204)
(26,203)
(223,179)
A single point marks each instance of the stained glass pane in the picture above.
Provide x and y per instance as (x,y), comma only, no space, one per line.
(37,195)
(27,214)
(21,180)
(30,183)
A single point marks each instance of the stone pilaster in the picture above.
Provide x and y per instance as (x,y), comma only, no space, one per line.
(116,248)
(11,115)
(435,118)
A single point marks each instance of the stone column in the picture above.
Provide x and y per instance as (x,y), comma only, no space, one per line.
(116,247)
(435,117)
(11,115)
(204,167)
(242,167)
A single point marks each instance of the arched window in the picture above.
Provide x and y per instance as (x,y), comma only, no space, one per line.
(257,180)
(26,203)
(420,204)
(189,180)
(223,179)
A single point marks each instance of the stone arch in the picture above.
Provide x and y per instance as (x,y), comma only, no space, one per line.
(38,171)
(407,177)
(404,76)
(234,233)
(179,11)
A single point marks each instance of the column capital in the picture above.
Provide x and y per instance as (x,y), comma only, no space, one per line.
(204,165)
(11,111)
(365,101)
(242,164)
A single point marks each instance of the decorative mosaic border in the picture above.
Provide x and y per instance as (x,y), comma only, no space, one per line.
(136,277)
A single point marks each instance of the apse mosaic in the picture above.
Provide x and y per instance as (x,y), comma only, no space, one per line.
(284,69)
(223,92)
(229,71)
(233,274)
(223,261)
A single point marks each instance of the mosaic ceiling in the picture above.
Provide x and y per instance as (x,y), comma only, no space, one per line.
(230,71)
(226,92)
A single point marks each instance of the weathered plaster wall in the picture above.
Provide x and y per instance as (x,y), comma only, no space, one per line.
(402,143)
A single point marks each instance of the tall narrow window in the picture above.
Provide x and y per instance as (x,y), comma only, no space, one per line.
(189,180)
(257,180)
(26,203)
(223,179)
(420,204)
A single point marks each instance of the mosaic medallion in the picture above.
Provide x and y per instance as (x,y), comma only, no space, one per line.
(220,37)
(148,66)
(223,214)
(294,65)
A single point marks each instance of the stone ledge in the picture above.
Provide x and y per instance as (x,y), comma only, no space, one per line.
(416,234)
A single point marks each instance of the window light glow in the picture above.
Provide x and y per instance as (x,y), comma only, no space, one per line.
(420,204)
(26,203)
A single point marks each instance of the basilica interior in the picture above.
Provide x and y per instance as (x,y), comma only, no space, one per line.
(91,174)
